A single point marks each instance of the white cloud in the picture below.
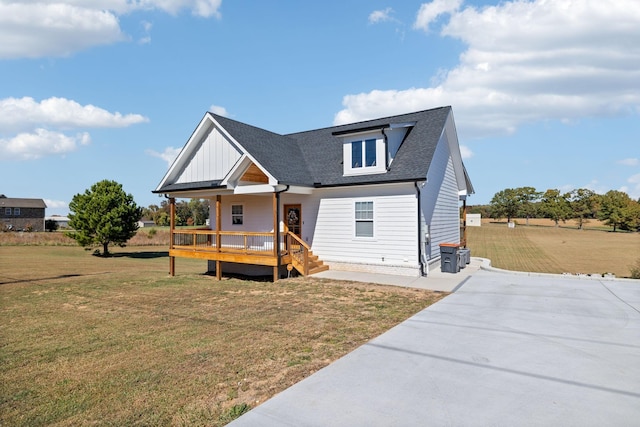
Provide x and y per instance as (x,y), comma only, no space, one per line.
(40,143)
(31,130)
(429,12)
(168,155)
(465,152)
(381,16)
(32,28)
(221,111)
(146,26)
(630,162)
(18,114)
(56,29)
(55,204)
(634,190)
(524,62)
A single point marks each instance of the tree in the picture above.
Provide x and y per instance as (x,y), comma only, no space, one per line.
(583,203)
(527,196)
(505,203)
(199,210)
(104,214)
(631,217)
(51,225)
(555,206)
(617,210)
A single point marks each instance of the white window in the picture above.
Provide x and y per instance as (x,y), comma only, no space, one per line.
(16,211)
(364,219)
(237,215)
(7,211)
(363,153)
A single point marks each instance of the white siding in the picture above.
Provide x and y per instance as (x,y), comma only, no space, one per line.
(394,245)
(213,159)
(439,202)
(256,211)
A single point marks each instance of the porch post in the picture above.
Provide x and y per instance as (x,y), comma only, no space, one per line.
(172,226)
(276,235)
(218,237)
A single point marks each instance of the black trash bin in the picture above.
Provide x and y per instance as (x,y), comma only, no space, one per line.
(449,261)
(465,257)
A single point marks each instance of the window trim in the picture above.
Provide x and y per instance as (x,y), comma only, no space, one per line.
(238,216)
(16,211)
(364,154)
(7,211)
(370,220)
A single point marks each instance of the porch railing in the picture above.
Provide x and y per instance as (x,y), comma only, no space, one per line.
(245,243)
(257,243)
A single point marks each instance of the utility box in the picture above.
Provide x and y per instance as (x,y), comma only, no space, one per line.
(449,258)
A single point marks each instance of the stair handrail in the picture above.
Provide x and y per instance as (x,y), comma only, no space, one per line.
(305,256)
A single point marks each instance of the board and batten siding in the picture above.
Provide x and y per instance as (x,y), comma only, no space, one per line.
(393,247)
(213,159)
(440,201)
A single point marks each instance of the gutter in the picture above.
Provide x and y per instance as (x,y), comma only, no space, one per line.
(386,150)
(422,264)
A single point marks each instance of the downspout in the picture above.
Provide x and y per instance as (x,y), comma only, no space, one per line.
(386,151)
(277,230)
(422,272)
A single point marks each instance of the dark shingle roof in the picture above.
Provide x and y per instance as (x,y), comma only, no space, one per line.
(314,158)
(279,154)
(322,149)
(10,202)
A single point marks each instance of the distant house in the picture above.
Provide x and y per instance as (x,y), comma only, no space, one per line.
(378,195)
(62,221)
(22,214)
(146,223)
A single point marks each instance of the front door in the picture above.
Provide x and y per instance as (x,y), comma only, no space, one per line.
(293,215)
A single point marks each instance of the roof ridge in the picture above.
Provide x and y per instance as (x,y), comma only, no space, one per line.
(371,120)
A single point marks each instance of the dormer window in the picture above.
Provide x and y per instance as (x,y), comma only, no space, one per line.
(363,157)
(364,154)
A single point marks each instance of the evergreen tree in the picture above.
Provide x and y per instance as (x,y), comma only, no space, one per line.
(104,214)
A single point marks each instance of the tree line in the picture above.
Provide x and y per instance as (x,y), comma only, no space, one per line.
(192,212)
(615,208)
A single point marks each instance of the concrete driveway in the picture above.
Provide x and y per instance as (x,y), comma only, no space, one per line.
(503,350)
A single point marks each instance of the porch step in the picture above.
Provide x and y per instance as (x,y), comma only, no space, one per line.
(318,269)
(316,265)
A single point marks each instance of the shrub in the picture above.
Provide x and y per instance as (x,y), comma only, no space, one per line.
(51,225)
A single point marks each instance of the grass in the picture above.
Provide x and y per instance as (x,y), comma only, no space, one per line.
(154,236)
(115,341)
(548,249)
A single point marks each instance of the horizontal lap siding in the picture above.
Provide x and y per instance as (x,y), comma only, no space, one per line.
(395,226)
(440,201)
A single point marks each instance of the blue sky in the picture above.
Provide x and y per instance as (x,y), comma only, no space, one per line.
(544,93)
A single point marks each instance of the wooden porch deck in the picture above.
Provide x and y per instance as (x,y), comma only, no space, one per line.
(254,248)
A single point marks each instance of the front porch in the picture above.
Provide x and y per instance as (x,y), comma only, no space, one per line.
(243,247)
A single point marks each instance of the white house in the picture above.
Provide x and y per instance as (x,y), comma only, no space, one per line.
(378,195)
